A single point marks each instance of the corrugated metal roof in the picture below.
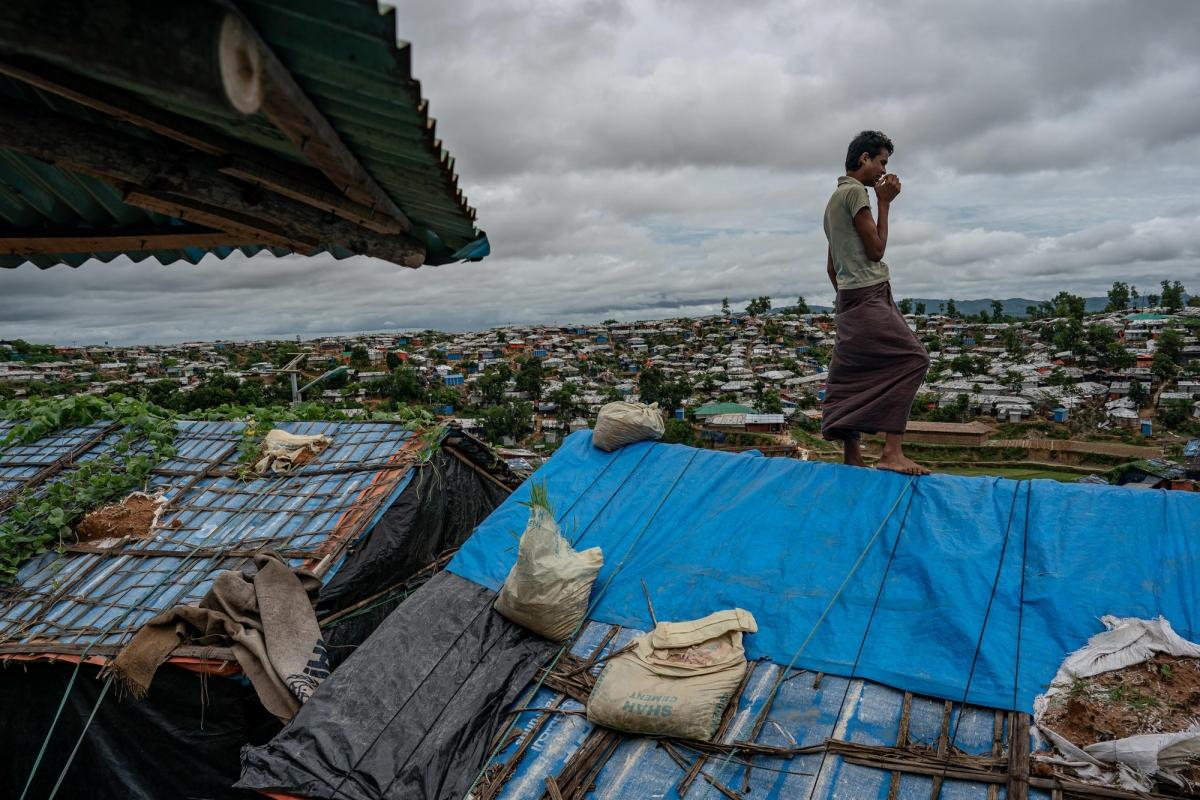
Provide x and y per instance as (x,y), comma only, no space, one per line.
(345,56)
(212,521)
(806,710)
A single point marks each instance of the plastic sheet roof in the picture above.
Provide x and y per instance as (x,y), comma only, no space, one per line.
(345,56)
(985,584)
(212,521)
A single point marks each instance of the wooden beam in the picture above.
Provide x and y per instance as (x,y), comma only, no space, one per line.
(256,81)
(243,161)
(149,169)
(29,243)
(164,48)
(1017,782)
(233,224)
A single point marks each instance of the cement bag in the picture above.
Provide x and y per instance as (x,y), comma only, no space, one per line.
(621,423)
(677,680)
(547,590)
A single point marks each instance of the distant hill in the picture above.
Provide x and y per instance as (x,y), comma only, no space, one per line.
(1013,306)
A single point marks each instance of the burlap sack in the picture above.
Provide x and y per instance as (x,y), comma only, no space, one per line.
(547,590)
(677,680)
(621,423)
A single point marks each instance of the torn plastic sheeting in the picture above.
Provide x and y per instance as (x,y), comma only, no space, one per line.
(1131,762)
(778,536)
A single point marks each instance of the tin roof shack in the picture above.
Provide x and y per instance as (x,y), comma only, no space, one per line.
(180,129)
(368,515)
(905,626)
(1150,473)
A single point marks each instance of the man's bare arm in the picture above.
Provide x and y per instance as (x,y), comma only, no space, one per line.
(874,234)
(829,268)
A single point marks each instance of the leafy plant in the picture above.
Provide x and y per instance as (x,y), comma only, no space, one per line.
(40,518)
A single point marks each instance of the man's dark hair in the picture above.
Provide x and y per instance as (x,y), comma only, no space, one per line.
(869,142)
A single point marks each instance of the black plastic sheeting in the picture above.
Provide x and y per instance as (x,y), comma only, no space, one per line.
(440,507)
(411,712)
(184,744)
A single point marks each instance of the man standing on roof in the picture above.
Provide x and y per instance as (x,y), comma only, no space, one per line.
(878,363)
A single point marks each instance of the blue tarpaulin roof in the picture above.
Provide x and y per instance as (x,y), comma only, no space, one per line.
(933,569)
(212,521)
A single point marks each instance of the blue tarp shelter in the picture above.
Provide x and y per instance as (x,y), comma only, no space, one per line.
(949,586)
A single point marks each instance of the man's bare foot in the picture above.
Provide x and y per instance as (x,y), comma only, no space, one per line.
(852,454)
(902,464)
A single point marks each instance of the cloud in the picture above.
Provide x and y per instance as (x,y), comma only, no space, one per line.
(636,159)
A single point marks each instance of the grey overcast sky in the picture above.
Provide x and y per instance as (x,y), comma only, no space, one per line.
(644,159)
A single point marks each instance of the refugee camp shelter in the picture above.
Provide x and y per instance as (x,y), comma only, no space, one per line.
(368,515)
(180,129)
(905,626)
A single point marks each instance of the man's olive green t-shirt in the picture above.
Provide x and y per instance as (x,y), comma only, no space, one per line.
(854,269)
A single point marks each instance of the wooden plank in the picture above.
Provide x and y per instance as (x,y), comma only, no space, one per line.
(21,243)
(245,162)
(1017,783)
(901,742)
(191,180)
(237,225)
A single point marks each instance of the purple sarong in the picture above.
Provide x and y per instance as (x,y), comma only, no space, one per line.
(878,365)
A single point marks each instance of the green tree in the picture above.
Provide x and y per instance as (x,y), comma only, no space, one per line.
(1068,335)
(905,305)
(1138,393)
(997,311)
(392,361)
(566,401)
(513,419)
(1174,414)
(725,306)
(770,403)
(920,309)
(493,382)
(359,357)
(1068,305)
(1013,343)
(650,385)
(758,306)
(963,364)
(1117,357)
(1172,295)
(1170,342)
(679,432)
(1118,297)
(951,308)
(801,305)
(1152,300)
(404,385)
(530,377)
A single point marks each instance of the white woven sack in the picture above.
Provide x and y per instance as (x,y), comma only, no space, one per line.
(548,589)
(621,423)
(677,680)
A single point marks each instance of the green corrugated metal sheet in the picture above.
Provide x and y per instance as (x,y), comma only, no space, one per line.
(344,55)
